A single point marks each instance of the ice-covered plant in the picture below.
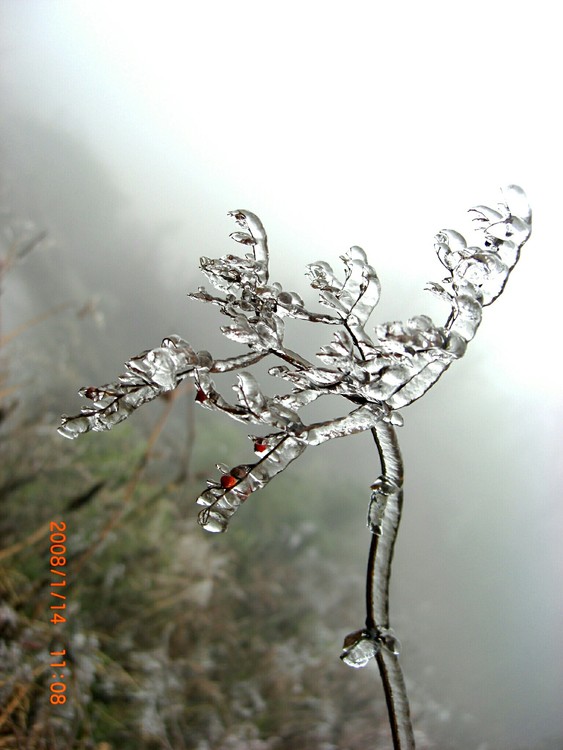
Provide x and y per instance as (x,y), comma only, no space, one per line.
(378,374)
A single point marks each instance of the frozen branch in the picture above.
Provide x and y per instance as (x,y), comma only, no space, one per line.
(379,374)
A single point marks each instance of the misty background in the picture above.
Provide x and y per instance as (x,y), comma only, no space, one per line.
(129,130)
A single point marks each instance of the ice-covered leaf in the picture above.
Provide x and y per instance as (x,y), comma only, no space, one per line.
(468,314)
(486,271)
(231,273)
(243,238)
(322,277)
(146,376)
(249,393)
(450,247)
(356,297)
(359,420)
(223,498)
(340,352)
(252,406)
(255,230)
(311,378)
(362,287)
(299,398)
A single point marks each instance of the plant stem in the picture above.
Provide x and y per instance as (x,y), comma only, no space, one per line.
(377,587)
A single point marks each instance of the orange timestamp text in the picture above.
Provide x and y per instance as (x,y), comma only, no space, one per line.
(57,563)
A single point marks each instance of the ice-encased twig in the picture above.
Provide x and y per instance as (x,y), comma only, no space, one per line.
(377,638)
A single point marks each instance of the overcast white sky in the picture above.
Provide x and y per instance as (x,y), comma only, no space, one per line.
(340,123)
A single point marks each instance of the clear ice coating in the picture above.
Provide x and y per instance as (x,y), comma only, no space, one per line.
(363,645)
(379,372)
(382,490)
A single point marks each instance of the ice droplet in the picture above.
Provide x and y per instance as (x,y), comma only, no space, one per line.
(517,202)
(390,640)
(359,648)
(72,427)
(212,521)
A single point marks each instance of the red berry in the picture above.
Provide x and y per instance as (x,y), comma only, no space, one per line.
(260,445)
(200,396)
(228,481)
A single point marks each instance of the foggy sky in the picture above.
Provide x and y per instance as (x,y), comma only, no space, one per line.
(338,125)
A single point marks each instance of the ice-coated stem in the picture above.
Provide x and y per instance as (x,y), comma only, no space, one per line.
(396,699)
(391,484)
(377,585)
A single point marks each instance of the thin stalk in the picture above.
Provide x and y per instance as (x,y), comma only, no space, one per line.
(377,588)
